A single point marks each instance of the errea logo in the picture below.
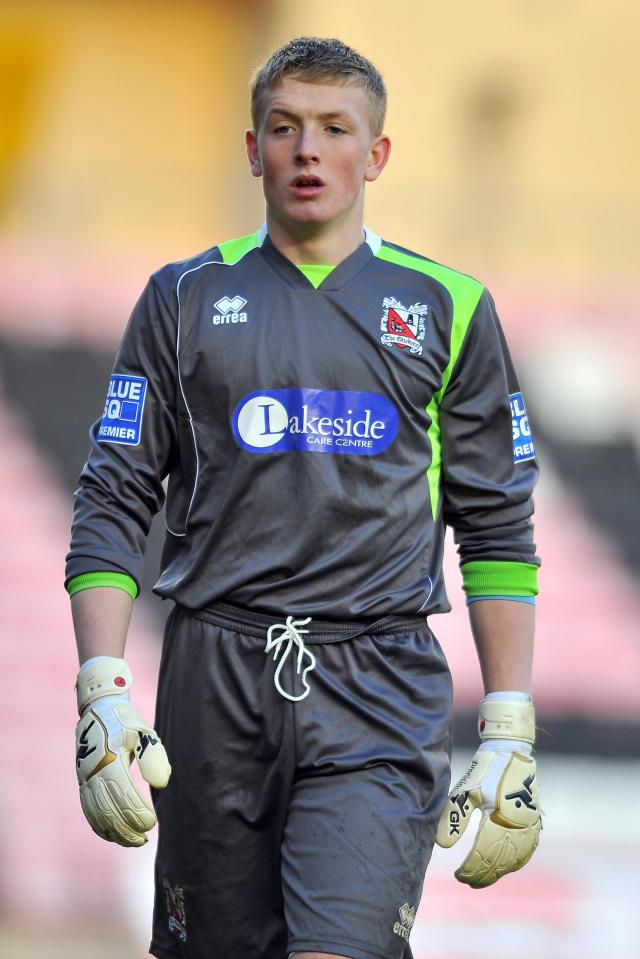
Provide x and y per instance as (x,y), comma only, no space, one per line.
(229,310)
(407,919)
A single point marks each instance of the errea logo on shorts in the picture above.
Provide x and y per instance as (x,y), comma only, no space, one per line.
(315,421)
(229,310)
(407,919)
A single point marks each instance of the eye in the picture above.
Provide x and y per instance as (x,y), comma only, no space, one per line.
(282,128)
(335,130)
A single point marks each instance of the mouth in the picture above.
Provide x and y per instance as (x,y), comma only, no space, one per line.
(307,185)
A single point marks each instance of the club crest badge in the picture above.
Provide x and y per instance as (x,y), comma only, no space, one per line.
(174,902)
(401,327)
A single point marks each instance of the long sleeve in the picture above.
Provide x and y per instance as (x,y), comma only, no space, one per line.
(489,468)
(132,447)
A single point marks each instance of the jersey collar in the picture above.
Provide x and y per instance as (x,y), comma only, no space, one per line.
(338,277)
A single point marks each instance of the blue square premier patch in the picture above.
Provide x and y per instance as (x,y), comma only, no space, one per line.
(122,417)
(523,448)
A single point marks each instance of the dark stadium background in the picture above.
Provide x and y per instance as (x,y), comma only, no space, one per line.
(516,158)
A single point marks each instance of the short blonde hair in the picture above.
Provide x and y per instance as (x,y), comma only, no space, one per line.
(316,60)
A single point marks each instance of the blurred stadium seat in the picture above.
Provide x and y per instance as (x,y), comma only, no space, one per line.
(51,866)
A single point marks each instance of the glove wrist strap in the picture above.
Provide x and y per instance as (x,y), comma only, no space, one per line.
(506,719)
(102,676)
(505,746)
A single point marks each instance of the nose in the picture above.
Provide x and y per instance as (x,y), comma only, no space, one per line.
(306,148)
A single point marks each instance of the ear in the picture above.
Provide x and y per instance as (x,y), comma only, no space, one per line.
(251,141)
(378,156)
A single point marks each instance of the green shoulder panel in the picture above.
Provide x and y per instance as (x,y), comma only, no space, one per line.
(465,293)
(232,251)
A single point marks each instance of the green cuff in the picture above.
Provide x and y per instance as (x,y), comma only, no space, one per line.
(499,579)
(91,580)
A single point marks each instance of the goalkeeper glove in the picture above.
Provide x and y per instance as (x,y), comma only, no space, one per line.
(110,733)
(501,782)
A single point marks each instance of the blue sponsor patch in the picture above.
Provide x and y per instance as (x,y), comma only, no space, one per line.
(315,421)
(122,417)
(523,448)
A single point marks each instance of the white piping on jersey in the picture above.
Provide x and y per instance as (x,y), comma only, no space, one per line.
(291,632)
(193,432)
(429,596)
(373,240)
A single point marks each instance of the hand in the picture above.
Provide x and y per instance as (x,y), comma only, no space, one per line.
(501,781)
(108,737)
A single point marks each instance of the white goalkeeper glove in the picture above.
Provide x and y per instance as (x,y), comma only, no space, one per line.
(110,733)
(501,782)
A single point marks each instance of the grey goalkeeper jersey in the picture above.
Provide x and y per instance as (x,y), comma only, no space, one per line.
(316,441)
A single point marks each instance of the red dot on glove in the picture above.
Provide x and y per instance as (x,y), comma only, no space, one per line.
(119,681)
(482,722)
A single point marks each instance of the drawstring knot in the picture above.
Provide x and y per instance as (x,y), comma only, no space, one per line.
(291,633)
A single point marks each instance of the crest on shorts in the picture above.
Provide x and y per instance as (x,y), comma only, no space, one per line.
(174,901)
(403,327)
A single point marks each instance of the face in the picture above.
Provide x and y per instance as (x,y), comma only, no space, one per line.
(315,151)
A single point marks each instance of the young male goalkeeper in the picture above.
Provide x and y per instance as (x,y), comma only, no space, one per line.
(323,404)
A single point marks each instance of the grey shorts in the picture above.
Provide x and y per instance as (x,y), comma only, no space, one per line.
(297,826)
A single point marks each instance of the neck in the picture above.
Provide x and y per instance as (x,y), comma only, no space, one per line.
(314,243)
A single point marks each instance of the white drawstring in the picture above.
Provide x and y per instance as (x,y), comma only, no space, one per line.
(292,633)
